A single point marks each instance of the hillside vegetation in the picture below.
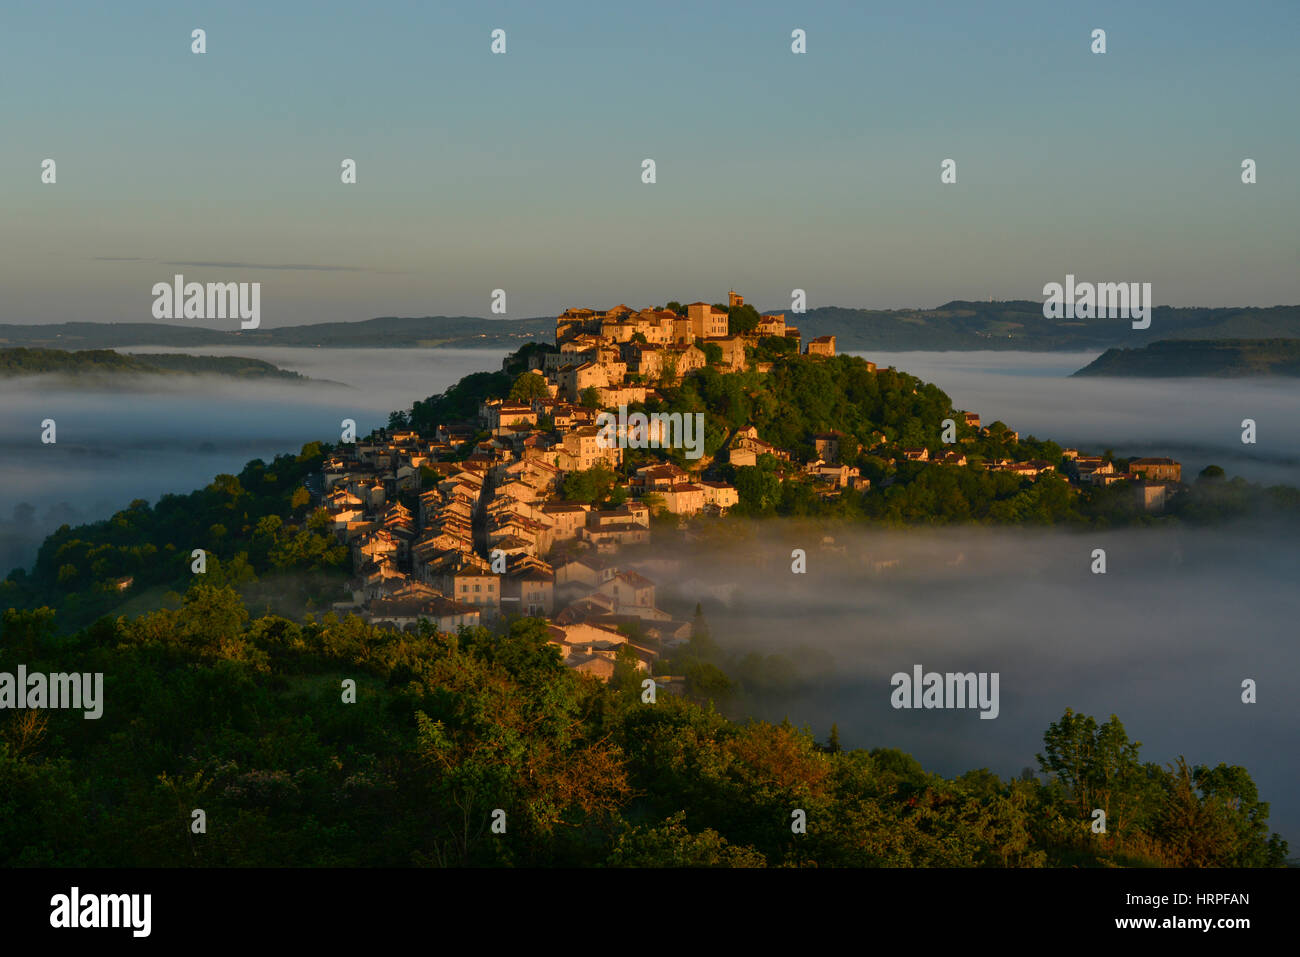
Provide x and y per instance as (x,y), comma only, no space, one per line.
(206,707)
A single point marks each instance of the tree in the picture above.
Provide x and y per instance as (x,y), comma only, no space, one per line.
(1192,833)
(706,681)
(530,385)
(668,372)
(590,397)
(228,486)
(758,487)
(589,485)
(627,675)
(1230,794)
(833,743)
(1097,765)
(742,319)
(699,627)
(673,845)
(25,632)
(212,620)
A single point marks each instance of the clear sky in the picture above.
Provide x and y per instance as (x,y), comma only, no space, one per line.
(522,171)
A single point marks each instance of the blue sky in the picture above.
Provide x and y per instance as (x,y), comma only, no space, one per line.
(522,171)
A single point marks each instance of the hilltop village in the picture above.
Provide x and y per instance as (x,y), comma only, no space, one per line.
(469,525)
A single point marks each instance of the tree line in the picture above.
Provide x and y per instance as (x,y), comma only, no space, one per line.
(207,707)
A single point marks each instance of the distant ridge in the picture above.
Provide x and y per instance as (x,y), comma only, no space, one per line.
(963,325)
(384,332)
(1200,357)
(92,366)
(960,325)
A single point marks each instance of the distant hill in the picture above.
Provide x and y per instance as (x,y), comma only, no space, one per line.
(96,363)
(386,332)
(1200,357)
(1019,324)
(957,325)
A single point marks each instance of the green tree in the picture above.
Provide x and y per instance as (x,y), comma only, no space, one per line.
(25,632)
(673,845)
(591,485)
(1231,794)
(211,621)
(530,385)
(627,675)
(1097,766)
(758,487)
(742,320)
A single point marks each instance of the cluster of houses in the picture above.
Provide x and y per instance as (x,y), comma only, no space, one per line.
(462,540)
(490,539)
(1155,479)
(623,352)
(467,539)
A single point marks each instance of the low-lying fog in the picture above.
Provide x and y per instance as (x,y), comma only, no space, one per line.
(173,434)
(1196,421)
(1164,639)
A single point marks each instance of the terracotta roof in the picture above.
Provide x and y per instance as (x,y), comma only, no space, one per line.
(635,579)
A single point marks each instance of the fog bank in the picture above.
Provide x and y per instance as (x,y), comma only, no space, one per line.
(1163,639)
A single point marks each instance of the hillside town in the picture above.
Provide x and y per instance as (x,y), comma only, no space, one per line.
(468,525)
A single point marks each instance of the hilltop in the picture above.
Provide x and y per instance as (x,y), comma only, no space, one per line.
(1200,357)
